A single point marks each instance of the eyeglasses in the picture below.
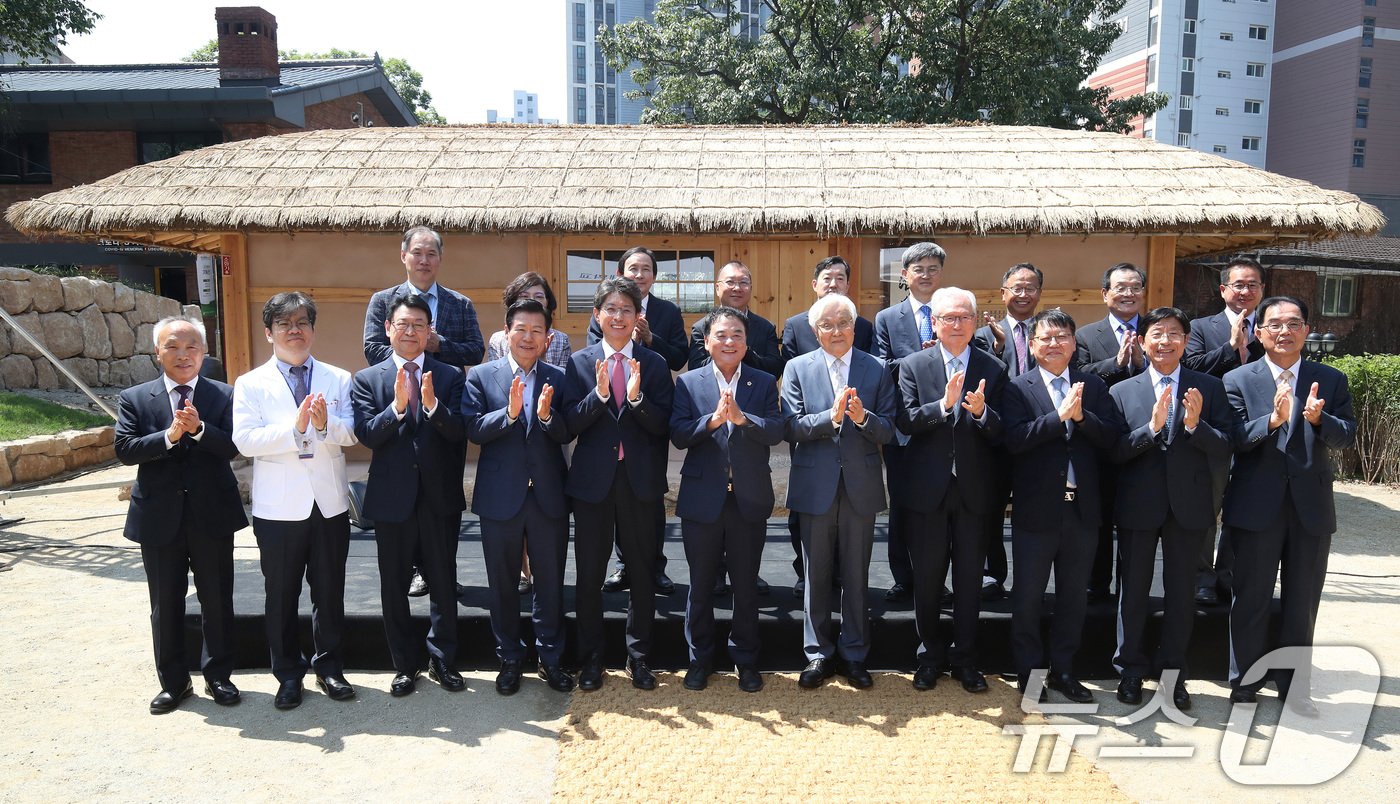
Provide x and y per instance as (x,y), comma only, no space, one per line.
(283,325)
(1126,290)
(1022,290)
(828,327)
(1051,340)
(955,320)
(1276,327)
(410,326)
(919,271)
(1169,337)
(619,312)
(1244,287)
(734,284)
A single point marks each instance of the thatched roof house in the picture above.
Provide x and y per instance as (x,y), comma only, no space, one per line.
(777,197)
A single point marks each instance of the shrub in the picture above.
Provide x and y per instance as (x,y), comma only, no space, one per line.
(1374,382)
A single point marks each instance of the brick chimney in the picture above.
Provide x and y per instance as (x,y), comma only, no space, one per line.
(247,46)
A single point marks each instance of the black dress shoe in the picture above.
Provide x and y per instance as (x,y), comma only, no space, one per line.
(1067,685)
(1302,704)
(1130,690)
(762,587)
(721,586)
(642,677)
(993,591)
(165,702)
(446,677)
(590,676)
(1181,699)
(799,589)
(616,582)
(403,684)
(663,584)
(223,692)
(288,694)
(897,594)
(1021,685)
(1243,695)
(816,671)
(859,677)
(335,687)
(926,677)
(1206,596)
(970,678)
(461,590)
(750,680)
(508,680)
(417,587)
(555,677)
(697,677)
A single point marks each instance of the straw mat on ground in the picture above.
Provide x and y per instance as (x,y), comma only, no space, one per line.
(886,744)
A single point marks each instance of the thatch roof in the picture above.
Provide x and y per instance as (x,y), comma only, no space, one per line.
(831,180)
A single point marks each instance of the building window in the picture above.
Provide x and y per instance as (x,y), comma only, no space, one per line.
(580,105)
(1188,65)
(1338,296)
(1358,153)
(1259,32)
(684,277)
(1183,139)
(1152,23)
(1368,32)
(580,64)
(1152,69)
(155,146)
(24,159)
(1370,2)
(1254,69)
(1363,112)
(1222,74)
(1222,111)
(1148,132)
(1253,107)
(1220,149)
(580,23)
(1226,36)
(1363,79)
(612,106)
(1184,101)
(1249,144)
(1188,26)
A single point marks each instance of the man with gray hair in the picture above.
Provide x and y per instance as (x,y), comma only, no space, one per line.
(184,509)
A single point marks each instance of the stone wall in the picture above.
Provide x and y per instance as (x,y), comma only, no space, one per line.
(42,457)
(100,330)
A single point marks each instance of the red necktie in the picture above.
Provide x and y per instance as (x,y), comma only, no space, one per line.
(618,391)
(414,402)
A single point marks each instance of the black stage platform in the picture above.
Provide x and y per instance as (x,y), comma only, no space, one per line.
(893,636)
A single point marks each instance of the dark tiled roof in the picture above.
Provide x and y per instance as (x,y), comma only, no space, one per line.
(1347,247)
(195,76)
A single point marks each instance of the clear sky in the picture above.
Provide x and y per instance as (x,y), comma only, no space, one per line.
(472,53)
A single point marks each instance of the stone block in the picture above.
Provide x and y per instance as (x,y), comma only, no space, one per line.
(15,274)
(57,446)
(16,297)
(166,307)
(4,340)
(77,292)
(84,367)
(120,335)
(146,307)
(48,293)
(20,345)
(62,334)
(89,456)
(106,436)
(45,377)
(32,468)
(142,342)
(119,373)
(16,371)
(123,298)
(143,369)
(97,336)
(104,373)
(78,439)
(191,312)
(7,477)
(34,445)
(103,295)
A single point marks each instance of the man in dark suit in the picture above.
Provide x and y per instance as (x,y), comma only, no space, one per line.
(1218,344)
(661,329)
(1290,414)
(1110,350)
(406,412)
(1009,339)
(1055,421)
(508,409)
(1178,434)
(726,417)
(832,275)
(455,338)
(948,399)
(184,508)
(617,401)
(838,408)
(292,415)
(900,331)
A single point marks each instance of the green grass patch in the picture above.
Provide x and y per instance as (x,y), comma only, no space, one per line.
(24,416)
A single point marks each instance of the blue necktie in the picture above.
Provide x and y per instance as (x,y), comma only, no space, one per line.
(925,325)
(1058,387)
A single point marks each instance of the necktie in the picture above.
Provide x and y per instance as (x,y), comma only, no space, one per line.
(527,404)
(925,324)
(838,384)
(414,394)
(617,390)
(1248,336)
(431,299)
(299,389)
(1285,378)
(1171,409)
(1058,387)
(954,366)
(184,391)
(1022,355)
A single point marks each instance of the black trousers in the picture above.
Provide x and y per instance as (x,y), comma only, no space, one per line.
(1138,559)
(315,547)
(168,566)
(633,520)
(931,537)
(1068,551)
(397,543)
(994,528)
(1260,555)
(1102,575)
(897,552)
(548,545)
(734,543)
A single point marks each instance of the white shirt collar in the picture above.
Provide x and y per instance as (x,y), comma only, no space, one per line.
(723,383)
(1046,377)
(948,357)
(1232,317)
(915,304)
(1157,375)
(830,358)
(399,361)
(608,351)
(515,367)
(171,385)
(1275,369)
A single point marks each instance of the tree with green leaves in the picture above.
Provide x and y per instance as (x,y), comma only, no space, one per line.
(34,29)
(1021,62)
(407,81)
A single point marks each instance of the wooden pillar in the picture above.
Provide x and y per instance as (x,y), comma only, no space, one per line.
(233,251)
(1161,271)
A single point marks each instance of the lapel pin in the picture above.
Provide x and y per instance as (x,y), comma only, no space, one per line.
(749,383)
